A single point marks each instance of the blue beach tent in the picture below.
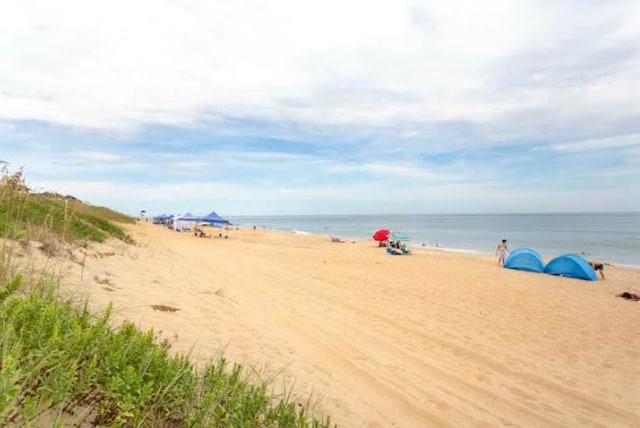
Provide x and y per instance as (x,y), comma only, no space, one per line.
(214,218)
(524,259)
(190,217)
(571,265)
(162,218)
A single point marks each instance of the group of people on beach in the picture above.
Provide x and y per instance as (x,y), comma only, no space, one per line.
(502,250)
(394,247)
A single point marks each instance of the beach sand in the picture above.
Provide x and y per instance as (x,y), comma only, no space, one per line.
(431,339)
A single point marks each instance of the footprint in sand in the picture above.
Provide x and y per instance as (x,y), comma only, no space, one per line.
(243,342)
(104,280)
(341,404)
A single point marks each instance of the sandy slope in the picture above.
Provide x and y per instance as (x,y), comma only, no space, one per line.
(432,339)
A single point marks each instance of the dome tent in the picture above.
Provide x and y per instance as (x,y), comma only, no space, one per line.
(571,265)
(525,259)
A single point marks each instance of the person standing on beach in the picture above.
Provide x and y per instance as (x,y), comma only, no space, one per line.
(598,267)
(501,251)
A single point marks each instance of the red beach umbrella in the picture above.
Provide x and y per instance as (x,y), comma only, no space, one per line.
(381,235)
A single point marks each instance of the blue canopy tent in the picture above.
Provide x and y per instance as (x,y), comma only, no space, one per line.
(181,222)
(525,259)
(190,217)
(214,218)
(162,218)
(572,266)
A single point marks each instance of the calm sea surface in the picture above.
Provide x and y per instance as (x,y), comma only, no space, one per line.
(610,237)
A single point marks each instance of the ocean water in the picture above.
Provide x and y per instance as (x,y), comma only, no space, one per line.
(610,237)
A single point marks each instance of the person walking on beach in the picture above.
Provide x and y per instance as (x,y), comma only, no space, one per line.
(501,251)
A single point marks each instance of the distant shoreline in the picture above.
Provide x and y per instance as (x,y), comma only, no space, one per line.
(430,247)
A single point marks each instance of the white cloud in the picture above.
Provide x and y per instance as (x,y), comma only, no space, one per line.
(392,96)
(97,156)
(397,170)
(617,141)
(118,65)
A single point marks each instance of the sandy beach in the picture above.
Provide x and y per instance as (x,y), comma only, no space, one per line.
(431,339)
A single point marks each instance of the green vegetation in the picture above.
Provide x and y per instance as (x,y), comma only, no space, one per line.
(39,216)
(61,365)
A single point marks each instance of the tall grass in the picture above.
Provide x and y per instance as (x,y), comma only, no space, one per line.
(24,215)
(61,365)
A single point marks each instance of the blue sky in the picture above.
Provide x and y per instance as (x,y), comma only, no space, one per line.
(334,107)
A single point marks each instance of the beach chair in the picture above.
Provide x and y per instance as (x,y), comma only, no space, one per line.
(405,251)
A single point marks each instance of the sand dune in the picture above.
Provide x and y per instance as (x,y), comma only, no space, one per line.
(432,339)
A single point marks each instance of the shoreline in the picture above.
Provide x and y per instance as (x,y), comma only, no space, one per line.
(437,248)
(606,237)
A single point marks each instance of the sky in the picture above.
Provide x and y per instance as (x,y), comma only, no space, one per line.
(336,107)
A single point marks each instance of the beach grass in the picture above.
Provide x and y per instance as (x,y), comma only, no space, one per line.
(24,215)
(63,365)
